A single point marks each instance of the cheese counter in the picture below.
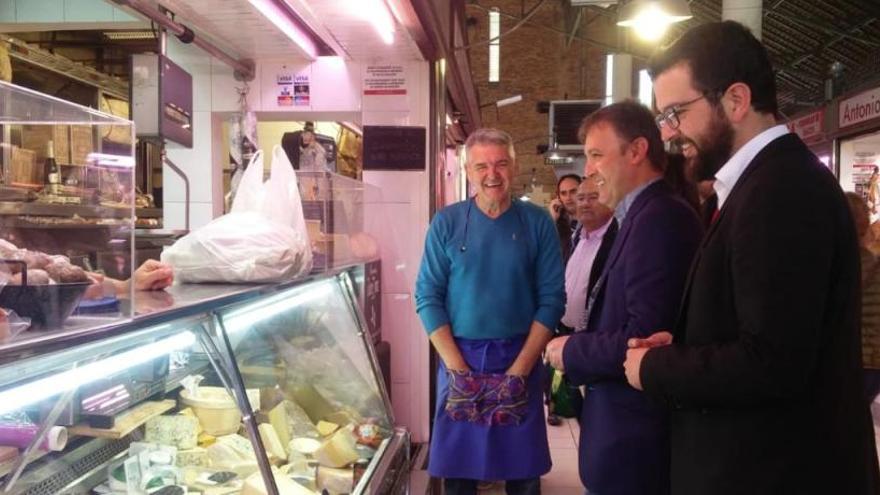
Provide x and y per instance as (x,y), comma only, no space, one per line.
(208,389)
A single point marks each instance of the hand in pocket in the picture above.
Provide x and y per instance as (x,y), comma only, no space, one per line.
(486,398)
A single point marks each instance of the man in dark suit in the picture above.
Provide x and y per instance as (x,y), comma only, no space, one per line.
(763,374)
(624,446)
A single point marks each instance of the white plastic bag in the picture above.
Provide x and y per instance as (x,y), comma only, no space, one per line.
(263,238)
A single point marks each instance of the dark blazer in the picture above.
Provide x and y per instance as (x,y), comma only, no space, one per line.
(765,376)
(565,227)
(624,446)
(601,255)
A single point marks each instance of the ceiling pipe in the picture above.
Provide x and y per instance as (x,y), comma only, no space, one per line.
(244,71)
(749,13)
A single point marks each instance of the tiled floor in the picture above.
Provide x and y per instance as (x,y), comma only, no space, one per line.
(563,478)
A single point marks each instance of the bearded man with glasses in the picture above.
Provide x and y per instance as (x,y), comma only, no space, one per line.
(762,371)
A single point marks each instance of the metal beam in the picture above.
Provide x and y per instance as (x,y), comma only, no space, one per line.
(849,33)
(797,58)
(574,28)
(243,70)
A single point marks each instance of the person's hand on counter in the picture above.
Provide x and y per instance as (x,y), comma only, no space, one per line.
(150,276)
(153,275)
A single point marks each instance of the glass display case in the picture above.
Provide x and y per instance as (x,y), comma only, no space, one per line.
(67,200)
(271,390)
(333,206)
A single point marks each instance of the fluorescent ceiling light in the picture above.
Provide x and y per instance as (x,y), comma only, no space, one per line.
(377,13)
(650,18)
(646,89)
(280,17)
(494,45)
(609,79)
(44,388)
(509,101)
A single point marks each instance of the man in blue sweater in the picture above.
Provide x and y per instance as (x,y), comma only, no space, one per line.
(489,292)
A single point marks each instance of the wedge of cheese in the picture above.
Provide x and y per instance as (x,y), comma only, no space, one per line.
(254,485)
(233,453)
(326,428)
(179,431)
(290,421)
(338,450)
(274,448)
(335,481)
(193,457)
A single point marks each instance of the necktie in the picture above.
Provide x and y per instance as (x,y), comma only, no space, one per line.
(715,215)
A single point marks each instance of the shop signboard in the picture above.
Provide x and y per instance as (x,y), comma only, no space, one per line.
(862,107)
(385,80)
(285,86)
(394,147)
(292,89)
(385,87)
(809,127)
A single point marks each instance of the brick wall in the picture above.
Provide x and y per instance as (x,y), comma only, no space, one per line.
(537,63)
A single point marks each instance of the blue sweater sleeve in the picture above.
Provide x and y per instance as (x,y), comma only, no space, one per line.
(549,274)
(433,277)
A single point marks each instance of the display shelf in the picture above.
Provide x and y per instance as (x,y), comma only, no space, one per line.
(126,422)
(299,349)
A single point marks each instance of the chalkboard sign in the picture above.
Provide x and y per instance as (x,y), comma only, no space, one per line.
(394,148)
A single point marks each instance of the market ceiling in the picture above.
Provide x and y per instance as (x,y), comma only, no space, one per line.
(804,38)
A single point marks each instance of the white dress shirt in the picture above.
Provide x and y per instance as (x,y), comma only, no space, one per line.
(577,274)
(730,173)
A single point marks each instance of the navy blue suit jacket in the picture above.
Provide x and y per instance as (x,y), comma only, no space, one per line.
(624,443)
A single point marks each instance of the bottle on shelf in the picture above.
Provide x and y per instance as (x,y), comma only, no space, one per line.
(53,174)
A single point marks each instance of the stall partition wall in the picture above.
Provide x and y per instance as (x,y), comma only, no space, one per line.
(398,219)
(399,222)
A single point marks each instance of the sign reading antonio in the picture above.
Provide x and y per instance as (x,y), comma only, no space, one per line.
(394,148)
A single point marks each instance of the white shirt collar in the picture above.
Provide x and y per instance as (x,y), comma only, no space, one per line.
(730,173)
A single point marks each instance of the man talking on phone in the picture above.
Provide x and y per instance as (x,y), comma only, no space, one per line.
(563,209)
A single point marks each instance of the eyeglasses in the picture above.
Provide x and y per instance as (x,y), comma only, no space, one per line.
(672,116)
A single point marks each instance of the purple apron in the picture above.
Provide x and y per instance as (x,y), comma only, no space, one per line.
(501,433)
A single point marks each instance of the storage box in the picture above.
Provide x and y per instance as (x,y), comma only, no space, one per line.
(81,144)
(24,170)
(35,137)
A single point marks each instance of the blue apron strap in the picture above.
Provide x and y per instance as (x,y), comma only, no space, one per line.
(485,353)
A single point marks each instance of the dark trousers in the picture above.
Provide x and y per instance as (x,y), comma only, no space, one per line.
(458,486)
